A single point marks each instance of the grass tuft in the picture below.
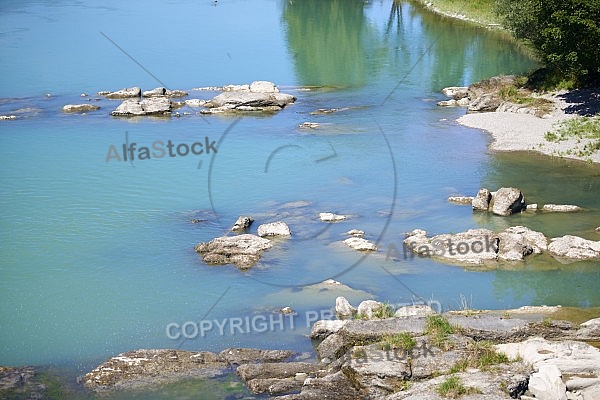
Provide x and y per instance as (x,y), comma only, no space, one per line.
(453,388)
(401,340)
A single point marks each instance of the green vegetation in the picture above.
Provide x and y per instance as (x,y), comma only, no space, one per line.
(401,340)
(385,311)
(479,11)
(578,128)
(453,388)
(438,328)
(565,34)
(481,355)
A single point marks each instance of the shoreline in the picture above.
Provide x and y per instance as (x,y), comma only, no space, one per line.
(525,132)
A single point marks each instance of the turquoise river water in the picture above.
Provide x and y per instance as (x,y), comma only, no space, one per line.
(96,257)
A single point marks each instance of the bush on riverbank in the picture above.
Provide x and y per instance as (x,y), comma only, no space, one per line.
(566,35)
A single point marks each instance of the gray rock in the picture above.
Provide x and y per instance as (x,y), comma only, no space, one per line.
(485,103)
(248,372)
(343,308)
(517,242)
(325,327)
(531,207)
(507,201)
(164,92)
(278,228)
(360,244)
(123,93)
(143,368)
(242,223)
(263,87)
(274,386)
(561,208)
(249,101)
(367,308)
(574,248)
(148,106)
(333,386)
(589,330)
(481,202)
(418,310)
(475,246)
(156,106)
(464,200)
(547,384)
(456,92)
(238,356)
(195,103)
(332,347)
(79,108)
(366,363)
(242,250)
(447,103)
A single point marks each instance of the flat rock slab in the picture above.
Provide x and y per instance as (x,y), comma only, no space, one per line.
(275,370)
(143,368)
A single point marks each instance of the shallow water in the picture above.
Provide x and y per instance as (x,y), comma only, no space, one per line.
(97,257)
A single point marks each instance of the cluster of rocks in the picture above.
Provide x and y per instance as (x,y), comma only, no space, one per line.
(507,201)
(244,249)
(486,96)
(259,96)
(357,359)
(481,246)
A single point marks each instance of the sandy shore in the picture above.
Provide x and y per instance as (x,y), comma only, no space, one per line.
(525,132)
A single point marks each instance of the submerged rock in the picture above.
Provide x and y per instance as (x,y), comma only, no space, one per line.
(465,200)
(242,250)
(561,208)
(331,217)
(71,108)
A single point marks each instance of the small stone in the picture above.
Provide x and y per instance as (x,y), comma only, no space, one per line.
(360,244)
(301,376)
(278,228)
(331,217)
(83,95)
(310,125)
(355,232)
(7,117)
(243,222)
(286,310)
(532,207)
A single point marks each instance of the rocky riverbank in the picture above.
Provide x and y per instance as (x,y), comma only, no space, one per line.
(374,352)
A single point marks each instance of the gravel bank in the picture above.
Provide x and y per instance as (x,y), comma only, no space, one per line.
(525,132)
